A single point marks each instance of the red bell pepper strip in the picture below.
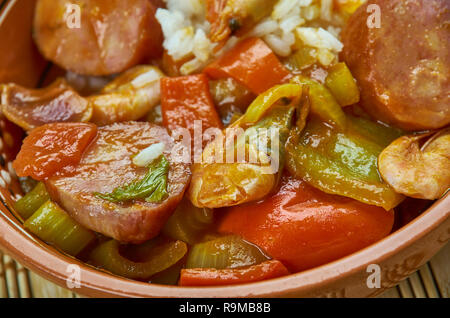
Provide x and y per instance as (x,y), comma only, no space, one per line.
(186,99)
(51,148)
(304,227)
(252,63)
(215,277)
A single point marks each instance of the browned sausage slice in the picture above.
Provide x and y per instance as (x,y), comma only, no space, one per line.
(112,36)
(403,67)
(106,165)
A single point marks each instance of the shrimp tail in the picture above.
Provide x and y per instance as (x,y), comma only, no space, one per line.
(218,14)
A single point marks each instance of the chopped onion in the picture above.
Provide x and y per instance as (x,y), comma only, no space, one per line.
(148,155)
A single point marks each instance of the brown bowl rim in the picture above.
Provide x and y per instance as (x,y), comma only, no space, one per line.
(52,264)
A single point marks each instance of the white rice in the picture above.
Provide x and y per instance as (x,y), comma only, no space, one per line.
(292,23)
(319,38)
(149,154)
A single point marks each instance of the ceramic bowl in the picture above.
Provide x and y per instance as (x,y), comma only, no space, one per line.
(398,255)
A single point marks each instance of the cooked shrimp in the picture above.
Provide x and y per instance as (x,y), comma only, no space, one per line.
(129,97)
(418,172)
(251,175)
(218,185)
(229,16)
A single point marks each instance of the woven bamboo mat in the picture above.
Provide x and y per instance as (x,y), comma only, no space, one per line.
(431,281)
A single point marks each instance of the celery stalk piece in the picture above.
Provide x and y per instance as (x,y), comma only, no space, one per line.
(188,222)
(224,252)
(322,102)
(342,85)
(51,224)
(169,276)
(29,204)
(160,258)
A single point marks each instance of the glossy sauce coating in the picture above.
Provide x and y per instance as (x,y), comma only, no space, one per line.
(106,165)
(231,98)
(403,67)
(304,227)
(50,148)
(113,35)
(31,108)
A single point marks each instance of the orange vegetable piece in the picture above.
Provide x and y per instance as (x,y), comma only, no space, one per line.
(252,63)
(186,99)
(214,277)
(50,148)
(304,227)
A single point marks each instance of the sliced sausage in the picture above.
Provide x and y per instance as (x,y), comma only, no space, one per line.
(106,165)
(112,36)
(403,67)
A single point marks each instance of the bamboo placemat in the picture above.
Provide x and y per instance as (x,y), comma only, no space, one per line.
(431,281)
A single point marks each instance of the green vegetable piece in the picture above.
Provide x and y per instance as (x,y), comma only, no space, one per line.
(29,203)
(169,276)
(380,134)
(342,163)
(152,188)
(303,58)
(51,224)
(266,101)
(342,85)
(280,117)
(323,104)
(188,222)
(224,252)
(160,257)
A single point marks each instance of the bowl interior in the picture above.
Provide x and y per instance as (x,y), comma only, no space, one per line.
(20,62)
